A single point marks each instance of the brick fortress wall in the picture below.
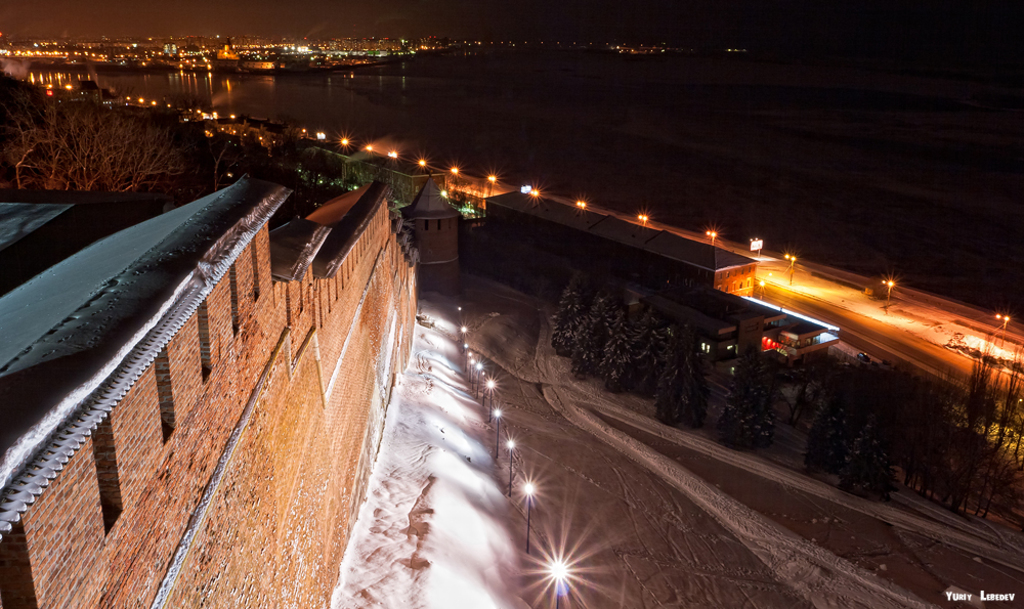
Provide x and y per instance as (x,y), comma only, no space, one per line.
(284,385)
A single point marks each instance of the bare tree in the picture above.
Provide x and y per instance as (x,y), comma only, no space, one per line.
(83,146)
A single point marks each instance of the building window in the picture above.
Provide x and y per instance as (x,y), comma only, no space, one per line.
(426,225)
(438,225)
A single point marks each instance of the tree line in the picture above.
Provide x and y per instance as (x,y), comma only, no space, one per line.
(61,143)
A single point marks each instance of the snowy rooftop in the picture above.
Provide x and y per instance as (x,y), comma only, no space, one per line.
(88,322)
(293,246)
(659,242)
(39,228)
(429,204)
(346,231)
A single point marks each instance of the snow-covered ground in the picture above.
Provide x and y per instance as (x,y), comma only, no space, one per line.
(433,531)
(646,515)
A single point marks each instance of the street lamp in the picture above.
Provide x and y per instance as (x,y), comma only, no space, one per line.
(422,162)
(1005,319)
(492,179)
(581,204)
(643,218)
(761,283)
(713,235)
(511,445)
(490,391)
(559,572)
(792,265)
(497,431)
(889,284)
(529,489)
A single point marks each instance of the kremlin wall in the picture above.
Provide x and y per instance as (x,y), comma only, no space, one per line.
(223,459)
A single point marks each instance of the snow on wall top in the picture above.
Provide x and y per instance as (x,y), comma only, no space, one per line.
(80,334)
(346,232)
(20,219)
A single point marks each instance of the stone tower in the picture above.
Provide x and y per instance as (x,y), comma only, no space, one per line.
(437,238)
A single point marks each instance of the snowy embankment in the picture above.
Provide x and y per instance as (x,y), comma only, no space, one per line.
(432,532)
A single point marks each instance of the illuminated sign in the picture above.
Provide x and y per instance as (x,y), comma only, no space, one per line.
(526,189)
(756,245)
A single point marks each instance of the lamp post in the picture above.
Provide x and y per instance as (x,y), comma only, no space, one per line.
(511,445)
(463,331)
(497,431)
(528,488)
(559,572)
(489,397)
(761,283)
(1005,319)
(889,284)
(479,371)
(713,235)
(792,267)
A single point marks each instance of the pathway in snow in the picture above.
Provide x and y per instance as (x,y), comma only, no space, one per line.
(432,533)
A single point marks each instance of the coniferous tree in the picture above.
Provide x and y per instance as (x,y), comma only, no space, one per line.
(571,309)
(748,420)
(682,389)
(618,353)
(828,442)
(648,345)
(592,335)
(868,467)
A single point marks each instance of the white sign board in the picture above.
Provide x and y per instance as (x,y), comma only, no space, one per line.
(756,245)
(526,189)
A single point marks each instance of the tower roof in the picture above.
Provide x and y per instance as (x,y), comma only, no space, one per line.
(429,204)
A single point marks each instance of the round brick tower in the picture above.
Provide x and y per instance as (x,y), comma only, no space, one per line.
(437,239)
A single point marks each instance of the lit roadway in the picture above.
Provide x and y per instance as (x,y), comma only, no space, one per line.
(823,299)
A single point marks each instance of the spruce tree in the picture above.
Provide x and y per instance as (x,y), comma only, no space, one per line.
(618,353)
(648,345)
(748,420)
(682,388)
(571,309)
(868,468)
(592,335)
(828,442)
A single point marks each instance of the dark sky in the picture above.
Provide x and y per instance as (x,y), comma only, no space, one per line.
(941,28)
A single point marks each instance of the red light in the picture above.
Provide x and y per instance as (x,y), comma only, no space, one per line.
(49,92)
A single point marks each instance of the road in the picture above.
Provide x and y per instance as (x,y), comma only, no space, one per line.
(870,332)
(873,336)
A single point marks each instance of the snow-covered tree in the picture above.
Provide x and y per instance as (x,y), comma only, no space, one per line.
(682,389)
(828,442)
(748,420)
(571,309)
(592,335)
(868,468)
(648,346)
(618,353)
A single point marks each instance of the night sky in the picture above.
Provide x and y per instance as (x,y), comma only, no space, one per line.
(938,29)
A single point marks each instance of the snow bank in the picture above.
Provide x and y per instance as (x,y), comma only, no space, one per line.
(432,530)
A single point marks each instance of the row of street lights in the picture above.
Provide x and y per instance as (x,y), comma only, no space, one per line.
(557,568)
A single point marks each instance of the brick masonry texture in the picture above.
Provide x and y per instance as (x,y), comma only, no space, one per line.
(277,525)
